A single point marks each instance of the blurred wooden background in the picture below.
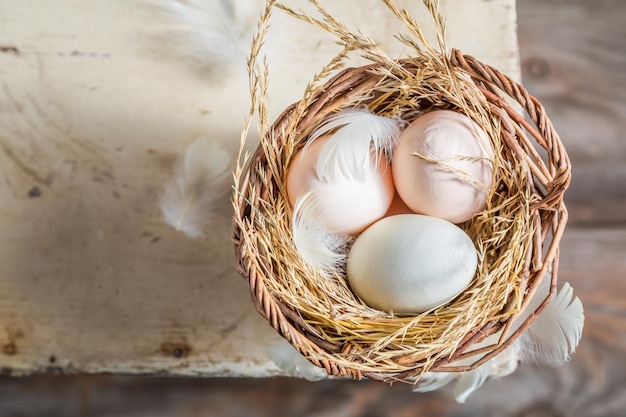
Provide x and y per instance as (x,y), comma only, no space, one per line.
(574,60)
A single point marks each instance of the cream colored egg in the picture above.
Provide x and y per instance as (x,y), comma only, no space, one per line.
(411,263)
(453,183)
(347,205)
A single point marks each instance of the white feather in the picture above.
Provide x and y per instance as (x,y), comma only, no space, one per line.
(472,380)
(200,181)
(506,362)
(289,360)
(502,364)
(551,338)
(317,247)
(556,332)
(213,32)
(348,153)
(432,381)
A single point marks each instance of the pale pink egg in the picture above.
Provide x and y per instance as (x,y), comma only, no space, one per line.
(453,182)
(347,205)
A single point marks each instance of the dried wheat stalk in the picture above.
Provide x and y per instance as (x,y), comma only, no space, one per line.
(517,235)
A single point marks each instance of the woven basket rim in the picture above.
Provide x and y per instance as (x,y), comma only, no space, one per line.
(549,214)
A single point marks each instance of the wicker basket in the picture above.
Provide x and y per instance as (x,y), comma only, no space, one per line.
(346,339)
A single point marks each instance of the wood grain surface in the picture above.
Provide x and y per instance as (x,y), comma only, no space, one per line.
(97,104)
(573,55)
(592,384)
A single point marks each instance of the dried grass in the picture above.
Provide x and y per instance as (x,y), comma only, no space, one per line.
(525,214)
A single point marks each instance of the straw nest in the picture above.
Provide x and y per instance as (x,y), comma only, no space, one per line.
(516,237)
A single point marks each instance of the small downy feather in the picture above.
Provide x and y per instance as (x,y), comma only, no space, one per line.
(550,339)
(348,153)
(432,381)
(216,33)
(200,181)
(289,360)
(472,380)
(319,248)
(556,332)
(500,365)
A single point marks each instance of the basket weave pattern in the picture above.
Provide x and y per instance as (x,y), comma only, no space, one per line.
(339,333)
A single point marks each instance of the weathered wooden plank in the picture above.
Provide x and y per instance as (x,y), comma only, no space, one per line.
(50,324)
(592,384)
(97,101)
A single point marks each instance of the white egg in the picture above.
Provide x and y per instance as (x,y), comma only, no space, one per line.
(411,263)
(453,183)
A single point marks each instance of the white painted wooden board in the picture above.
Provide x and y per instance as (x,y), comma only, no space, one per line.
(98,99)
